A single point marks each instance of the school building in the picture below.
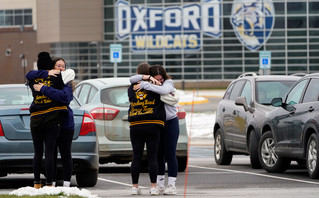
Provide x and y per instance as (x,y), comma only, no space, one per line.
(203,43)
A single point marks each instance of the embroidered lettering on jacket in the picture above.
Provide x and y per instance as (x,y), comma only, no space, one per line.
(142,107)
(42,99)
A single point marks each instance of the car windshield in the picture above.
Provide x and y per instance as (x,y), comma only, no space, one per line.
(267,90)
(116,96)
(15,96)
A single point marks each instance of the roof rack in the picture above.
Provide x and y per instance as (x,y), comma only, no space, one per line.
(253,74)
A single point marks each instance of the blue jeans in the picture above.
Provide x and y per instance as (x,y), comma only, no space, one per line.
(167,148)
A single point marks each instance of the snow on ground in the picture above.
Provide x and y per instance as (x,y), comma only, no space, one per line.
(200,125)
(67,191)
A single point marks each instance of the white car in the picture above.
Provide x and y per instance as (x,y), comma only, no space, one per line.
(107,101)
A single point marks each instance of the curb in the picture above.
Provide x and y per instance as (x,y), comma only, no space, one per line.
(194,102)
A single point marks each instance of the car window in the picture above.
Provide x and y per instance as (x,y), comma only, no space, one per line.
(235,92)
(74,103)
(92,94)
(312,92)
(15,96)
(77,90)
(83,95)
(228,91)
(247,92)
(294,95)
(115,96)
(265,91)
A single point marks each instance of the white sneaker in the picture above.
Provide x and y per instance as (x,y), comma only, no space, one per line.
(136,191)
(154,191)
(161,189)
(170,190)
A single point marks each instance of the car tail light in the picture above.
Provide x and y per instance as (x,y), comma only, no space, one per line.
(88,125)
(104,113)
(24,109)
(1,130)
(181,113)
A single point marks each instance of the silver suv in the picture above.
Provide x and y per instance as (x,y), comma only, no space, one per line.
(241,112)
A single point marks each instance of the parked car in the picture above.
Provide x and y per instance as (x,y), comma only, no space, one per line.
(291,130)
(16,146)
(107,101)
(241,112)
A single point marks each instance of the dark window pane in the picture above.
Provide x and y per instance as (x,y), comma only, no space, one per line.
(27,20)
(296,8)
(313,7)
(314,21)
(18,20)
(297,22)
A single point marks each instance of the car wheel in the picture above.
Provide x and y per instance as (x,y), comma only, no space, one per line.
(87,178)
(222,156)
(182,163)
(312,157)
(269,160)
(253,150)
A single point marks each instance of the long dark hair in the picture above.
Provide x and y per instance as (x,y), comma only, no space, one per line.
(159,70)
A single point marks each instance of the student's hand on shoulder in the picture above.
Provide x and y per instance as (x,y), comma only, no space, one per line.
(137,87)
(37,87)
(53,72)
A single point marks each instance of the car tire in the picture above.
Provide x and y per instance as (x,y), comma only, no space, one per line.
(222,156)
(182,163)
(269,160)
(312,157)
(87,178)
(253,150)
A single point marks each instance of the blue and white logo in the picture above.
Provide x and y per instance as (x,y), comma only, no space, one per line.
(253,21)
(167,28)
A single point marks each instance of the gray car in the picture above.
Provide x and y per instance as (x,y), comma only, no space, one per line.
(107,101)
(16,146)
(241,112)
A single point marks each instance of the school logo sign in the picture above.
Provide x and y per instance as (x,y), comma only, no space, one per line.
(169,28)
(253,22)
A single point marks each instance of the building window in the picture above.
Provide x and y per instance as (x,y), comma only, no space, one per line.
(17,17)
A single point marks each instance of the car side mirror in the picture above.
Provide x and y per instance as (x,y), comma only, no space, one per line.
(242,102)
(276,102)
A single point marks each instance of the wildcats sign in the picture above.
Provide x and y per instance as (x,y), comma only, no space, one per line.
(169,28)
(253,22)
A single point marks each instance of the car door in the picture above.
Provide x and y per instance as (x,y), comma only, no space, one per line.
(241,116)
(303,113)
(289,122)
(230,111)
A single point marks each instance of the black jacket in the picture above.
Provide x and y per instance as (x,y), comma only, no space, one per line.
(42,104)
(145,108)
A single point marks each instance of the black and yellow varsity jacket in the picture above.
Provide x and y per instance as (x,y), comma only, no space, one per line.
(42,104)
(145,108)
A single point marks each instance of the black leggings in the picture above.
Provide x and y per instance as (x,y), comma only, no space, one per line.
(149,134)
(64,144)
(48,135)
